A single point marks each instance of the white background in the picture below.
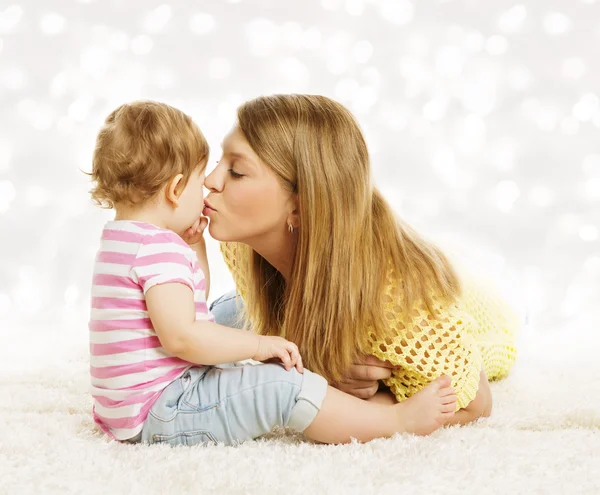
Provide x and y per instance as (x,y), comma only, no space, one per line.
(482,118)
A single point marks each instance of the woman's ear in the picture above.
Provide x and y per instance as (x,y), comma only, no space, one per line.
(172,195)
(293,218)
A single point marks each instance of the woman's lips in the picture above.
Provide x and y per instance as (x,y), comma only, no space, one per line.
(208,211)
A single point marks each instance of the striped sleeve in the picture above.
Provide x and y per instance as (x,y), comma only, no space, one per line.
(163,259)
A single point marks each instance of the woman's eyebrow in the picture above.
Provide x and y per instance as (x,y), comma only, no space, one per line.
(239,156)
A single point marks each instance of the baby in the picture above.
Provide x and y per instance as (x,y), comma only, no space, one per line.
(155,350)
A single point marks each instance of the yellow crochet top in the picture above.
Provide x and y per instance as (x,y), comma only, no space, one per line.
(476,332)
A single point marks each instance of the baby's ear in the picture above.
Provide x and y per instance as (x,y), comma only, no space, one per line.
(174,189)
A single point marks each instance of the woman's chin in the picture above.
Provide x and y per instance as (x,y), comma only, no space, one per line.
(216,233)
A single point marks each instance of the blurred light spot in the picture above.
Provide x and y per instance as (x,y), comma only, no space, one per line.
(445,167)
(226,110)
(295,72)
(479,92)
(503,155)
(355,7)
(569,126)
(411,68)
(556,23)
(5,304)
(417,45)
(262,36)
(496,45)
(165,78)
(291,33)
(7,194)
(372,76)
(80,108)
(586,107)
(94,61)
(395,117)
(346,89)
(36,196)
(511,20)
(59,85)
(5,157)
(219,68)
(449,61)
(71,294)
(27,294)
(592,188)
(65,126)
(202,23)
(547,117)
(454,33)
(507,192)
(592,264)
(38,115)
(589,233)
(157,19)
(141,45)
(519,78)
(591,165)
(474,42)
(398,12)
(470,134)
(331,4)
(574,68)
(541,196)
(311,38)
(364,99)
(13,78)
(568,224)
(1,44)
(362,51)
(118,42)
(434,110)
(52,24)
(9,18)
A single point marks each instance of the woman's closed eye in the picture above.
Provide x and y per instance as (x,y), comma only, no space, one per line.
(234,174)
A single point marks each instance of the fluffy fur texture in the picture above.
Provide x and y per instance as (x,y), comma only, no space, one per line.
(543,436)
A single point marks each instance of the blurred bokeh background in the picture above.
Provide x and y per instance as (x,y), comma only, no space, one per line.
(482,118)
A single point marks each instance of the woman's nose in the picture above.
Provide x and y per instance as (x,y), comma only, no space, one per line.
(214,180)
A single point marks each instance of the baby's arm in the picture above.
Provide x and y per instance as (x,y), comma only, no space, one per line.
(200,250)
(172,312)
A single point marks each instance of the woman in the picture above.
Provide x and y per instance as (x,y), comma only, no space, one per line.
(319,257)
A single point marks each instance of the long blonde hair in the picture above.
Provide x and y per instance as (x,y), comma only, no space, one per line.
(349,241)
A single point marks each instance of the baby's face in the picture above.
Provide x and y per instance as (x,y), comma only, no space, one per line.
(191,201)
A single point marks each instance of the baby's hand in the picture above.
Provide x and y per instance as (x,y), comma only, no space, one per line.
(193,235)
(281,349)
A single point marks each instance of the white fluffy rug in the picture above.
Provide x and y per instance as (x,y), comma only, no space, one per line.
(543,437)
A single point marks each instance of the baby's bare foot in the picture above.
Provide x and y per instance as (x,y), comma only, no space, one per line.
(429,409)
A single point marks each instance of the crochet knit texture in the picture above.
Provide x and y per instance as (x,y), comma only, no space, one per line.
(459,340)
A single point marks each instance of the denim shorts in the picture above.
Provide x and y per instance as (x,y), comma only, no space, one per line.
(232,404)
(227,310)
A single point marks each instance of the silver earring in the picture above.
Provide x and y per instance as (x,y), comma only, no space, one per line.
(291,228)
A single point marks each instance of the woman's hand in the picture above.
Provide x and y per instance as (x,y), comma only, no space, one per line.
(280,349)
(362,378)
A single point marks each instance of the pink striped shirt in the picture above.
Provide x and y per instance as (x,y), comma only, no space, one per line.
(128,366)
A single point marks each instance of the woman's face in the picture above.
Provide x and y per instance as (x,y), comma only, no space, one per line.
(247,201)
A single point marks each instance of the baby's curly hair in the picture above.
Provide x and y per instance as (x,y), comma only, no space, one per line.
(142,146)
